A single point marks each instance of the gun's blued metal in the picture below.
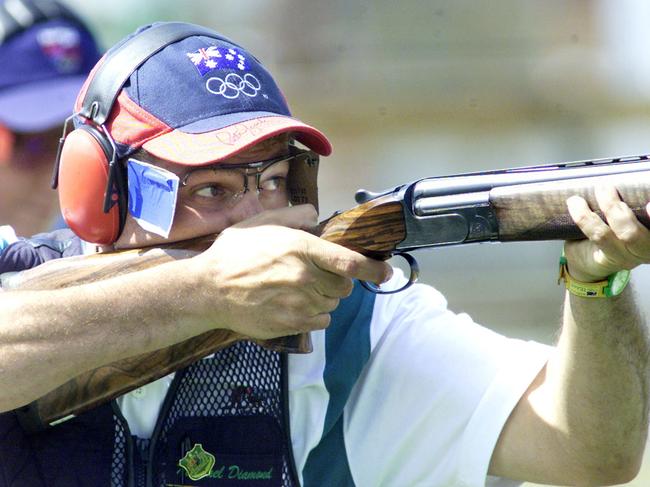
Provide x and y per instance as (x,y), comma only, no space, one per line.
(446,220)
(413,277)
(485,181)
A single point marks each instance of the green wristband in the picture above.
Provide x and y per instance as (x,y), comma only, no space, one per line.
(613,285)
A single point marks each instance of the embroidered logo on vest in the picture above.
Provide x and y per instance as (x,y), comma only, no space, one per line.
(197,462)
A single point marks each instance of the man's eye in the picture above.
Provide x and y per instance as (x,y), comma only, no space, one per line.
(212,191)
(274,184)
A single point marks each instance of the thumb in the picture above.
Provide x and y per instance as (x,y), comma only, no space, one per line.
(300,217)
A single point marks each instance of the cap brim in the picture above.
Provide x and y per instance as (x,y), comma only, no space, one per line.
(195,149)
(41,105)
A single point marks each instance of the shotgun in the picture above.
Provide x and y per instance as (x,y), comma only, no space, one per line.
(517,204)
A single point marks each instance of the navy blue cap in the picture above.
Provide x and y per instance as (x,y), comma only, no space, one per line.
(44,60)
(199,100)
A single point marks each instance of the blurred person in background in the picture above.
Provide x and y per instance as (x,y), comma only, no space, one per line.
(46,52)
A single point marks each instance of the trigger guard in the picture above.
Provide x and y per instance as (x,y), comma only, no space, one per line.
(415,272)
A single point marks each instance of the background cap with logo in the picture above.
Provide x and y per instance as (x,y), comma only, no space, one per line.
(46,53)
(200,100)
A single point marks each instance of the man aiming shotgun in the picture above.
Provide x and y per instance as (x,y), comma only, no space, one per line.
(180,133)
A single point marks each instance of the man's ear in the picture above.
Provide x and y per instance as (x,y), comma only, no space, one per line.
(303,180)
(7,139)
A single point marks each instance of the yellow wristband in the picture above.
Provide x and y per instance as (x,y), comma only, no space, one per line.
(612,286)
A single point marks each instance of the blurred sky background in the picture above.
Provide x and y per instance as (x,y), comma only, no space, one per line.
(411,89)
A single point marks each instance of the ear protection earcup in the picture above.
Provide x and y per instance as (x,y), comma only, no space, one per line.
(83,177)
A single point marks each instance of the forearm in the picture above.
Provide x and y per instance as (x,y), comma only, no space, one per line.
(587,411)
(598,380)
(49,337)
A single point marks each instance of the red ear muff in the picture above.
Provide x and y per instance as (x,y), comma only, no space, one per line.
(83,179)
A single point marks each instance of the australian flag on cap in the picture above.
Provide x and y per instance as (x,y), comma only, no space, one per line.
(214,57)
(62,46)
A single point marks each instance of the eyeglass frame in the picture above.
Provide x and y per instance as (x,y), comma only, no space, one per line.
(256,168)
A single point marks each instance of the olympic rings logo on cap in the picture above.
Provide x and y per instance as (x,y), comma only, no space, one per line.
(233,85)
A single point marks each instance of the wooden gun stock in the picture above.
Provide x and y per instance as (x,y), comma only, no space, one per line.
(538,211)
(373,228)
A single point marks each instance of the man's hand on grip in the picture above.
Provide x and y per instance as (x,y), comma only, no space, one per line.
(265,277)
(618,242)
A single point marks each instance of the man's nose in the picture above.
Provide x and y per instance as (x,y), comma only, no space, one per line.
(248,206)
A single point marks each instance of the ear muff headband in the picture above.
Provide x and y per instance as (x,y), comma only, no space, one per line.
(92,188)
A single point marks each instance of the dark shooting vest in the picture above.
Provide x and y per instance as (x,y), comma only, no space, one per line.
(224,421)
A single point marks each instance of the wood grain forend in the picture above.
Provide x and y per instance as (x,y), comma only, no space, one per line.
(84,269)
(103,384)
(373,228)
(539,212)
(100,385)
